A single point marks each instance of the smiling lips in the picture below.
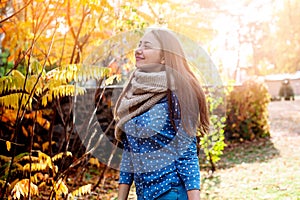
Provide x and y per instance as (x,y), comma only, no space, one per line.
(138,58)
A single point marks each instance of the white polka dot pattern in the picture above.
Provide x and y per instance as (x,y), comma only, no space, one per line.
(155,156)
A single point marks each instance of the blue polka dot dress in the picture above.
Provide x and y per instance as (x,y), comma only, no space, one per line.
(156,156)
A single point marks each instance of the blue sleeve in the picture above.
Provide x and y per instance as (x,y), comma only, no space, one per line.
(126,168)
(187,162)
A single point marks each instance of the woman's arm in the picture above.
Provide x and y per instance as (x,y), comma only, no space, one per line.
(126,172)
(123,191)
(193,194)
(187,165)
(187,162)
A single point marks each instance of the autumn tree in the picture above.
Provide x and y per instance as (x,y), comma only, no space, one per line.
(49,46)
(47,43)
(285,47)
(276,42)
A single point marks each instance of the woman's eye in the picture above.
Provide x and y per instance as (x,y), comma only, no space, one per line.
(146,46)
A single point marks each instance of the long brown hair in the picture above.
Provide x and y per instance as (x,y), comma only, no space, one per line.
(182,82)
(191,97)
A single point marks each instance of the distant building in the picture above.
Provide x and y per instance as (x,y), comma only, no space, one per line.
(274,83)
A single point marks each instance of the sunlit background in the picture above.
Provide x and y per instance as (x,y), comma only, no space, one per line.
(248,37)
(48,45)
(244,37)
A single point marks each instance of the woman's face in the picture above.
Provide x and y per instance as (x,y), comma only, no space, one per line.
(148,54)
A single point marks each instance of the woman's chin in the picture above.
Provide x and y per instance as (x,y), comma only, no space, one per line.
(150,67)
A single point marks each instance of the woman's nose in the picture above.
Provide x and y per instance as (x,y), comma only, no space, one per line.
(138,50)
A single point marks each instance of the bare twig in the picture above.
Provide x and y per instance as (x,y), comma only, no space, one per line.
(17,144)
(15,13)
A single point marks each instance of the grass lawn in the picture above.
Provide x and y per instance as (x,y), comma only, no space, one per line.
(249,174)
(265,169)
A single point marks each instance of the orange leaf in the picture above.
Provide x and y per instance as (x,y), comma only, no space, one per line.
(25,132)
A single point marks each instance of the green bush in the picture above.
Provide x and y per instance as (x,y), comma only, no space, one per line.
(213,142)
(247,112)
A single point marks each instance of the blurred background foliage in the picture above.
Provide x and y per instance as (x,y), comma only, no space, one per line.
(247,112)
(267,30)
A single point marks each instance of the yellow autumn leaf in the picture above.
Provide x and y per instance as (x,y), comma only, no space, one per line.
(8,145)
(36,145)
(28,158)
(17,74)
(111,79)
(80,90)
(5,158)
(42,184)
(45,145)
(50,96)
(60,155)
(12,184)
(35,167)
(60,189)
(45,159)
(82,190)
(21,188)
(94,161)
(44,101)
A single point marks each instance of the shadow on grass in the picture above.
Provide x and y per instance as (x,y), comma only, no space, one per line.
(234,154)
(260,150)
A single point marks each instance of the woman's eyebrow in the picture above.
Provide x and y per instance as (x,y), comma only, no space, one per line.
(145,42)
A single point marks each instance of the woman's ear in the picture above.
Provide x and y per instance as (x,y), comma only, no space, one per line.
(162,61)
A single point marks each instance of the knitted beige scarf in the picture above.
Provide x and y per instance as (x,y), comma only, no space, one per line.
(145,89)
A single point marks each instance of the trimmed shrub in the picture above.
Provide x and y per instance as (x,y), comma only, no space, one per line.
(247,112)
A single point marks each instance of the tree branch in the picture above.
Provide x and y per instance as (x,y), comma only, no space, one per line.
(14,14)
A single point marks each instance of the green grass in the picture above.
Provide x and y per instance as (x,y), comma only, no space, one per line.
(257,170)
(264,169)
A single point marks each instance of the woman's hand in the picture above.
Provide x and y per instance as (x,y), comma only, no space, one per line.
(193,194)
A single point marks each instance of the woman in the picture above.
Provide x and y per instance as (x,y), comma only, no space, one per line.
(158,114)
